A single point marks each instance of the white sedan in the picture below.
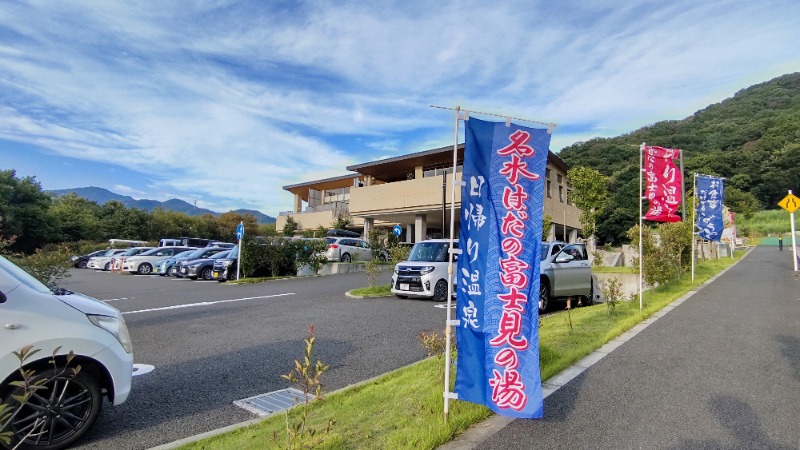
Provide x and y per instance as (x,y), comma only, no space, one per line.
(143,263)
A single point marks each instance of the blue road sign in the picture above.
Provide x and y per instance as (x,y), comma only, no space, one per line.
(397,230)
(239,231)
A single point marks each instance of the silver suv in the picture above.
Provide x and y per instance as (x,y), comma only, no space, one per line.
(346,249)
(565,272)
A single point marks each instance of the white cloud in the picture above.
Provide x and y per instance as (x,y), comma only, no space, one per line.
(228,101)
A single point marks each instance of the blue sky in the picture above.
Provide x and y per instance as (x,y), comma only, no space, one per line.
(224,102)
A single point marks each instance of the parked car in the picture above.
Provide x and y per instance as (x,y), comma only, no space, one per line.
(225,268)
(200,268)
(118,260)
(227,245)
(169,265)
(565,272)
(103,261)
(143,263)
(424,274)
(58,325)
(80,261)
(166,266)
(347,249)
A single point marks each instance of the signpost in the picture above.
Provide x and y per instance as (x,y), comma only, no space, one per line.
(239,236)
(791,203)
(397,230)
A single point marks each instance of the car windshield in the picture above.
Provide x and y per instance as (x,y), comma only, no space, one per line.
(219,255)
(429,251)
(22,276)
(187,253)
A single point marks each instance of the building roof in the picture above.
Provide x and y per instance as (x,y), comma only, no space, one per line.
(397,168)
(341,181)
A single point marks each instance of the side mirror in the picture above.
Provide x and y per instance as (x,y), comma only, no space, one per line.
(3,297)
(563,258)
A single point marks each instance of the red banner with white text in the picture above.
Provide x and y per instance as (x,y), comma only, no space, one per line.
(664,178)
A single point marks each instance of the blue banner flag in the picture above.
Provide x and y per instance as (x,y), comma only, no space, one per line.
(710,195)
(498,270)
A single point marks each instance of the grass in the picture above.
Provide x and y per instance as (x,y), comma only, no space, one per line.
(403,409)
(373,291)
(604,269)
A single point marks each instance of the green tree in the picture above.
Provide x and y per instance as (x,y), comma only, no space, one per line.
(77,218)
(230,220)
(289,227)
(588,194)
(341,222)
(25,212)
(547,222)
(676,242)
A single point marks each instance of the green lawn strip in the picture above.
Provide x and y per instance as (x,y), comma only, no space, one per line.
(374,291)
(603,269)
(403,409)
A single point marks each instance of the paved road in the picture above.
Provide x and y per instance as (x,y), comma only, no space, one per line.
(720,371)
(236,340)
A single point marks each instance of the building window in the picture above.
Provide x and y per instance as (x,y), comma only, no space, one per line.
(549,190)
(561,194)
(436,170)
(559,178)
(569,196)
(547,174)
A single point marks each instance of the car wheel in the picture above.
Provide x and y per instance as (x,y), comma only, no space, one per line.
(440,291)
(82,264)
(544,296)
(145,269)
(401,296)
(57,414)
(206,273)
(346,258)
(382,257)
(107,267)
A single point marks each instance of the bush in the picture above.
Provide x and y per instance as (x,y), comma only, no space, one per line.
(49,265)
(399,253)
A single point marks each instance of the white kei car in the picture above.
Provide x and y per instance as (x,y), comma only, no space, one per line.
(48,327)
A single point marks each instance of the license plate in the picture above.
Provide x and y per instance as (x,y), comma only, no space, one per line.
(404,287)
(215,274)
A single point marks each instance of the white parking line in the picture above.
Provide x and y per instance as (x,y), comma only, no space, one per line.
(116,299)
(189,305)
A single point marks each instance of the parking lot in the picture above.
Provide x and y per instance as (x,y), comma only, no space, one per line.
(202,345)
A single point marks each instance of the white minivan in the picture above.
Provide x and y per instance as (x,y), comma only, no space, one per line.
(424,275)
(58,325)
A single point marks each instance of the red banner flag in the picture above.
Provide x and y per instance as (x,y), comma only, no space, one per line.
(664,180)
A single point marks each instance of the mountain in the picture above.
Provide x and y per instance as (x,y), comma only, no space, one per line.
(101,196)
(752,139)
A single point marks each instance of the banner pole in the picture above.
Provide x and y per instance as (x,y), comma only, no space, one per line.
(448,327)
(694,218)
(794,238)
(641,201)
(683,190)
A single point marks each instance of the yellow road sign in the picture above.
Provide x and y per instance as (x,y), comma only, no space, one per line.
(790,203)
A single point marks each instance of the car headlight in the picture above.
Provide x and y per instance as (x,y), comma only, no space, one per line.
(426,270)
(74,258)
(116,327)
(396,269)
(226,262)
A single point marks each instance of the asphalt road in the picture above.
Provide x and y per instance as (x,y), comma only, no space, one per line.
(212,343)
(720,371)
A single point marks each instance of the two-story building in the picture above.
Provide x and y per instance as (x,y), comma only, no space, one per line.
(412,191)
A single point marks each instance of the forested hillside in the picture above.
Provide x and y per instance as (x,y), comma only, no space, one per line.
(751,139)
